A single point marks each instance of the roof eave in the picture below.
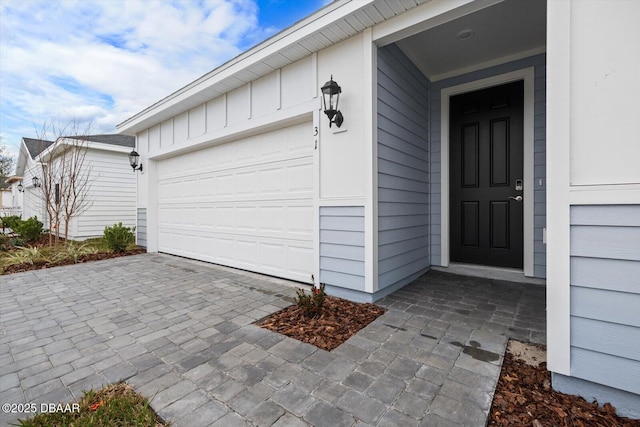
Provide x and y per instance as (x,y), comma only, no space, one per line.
(187,97)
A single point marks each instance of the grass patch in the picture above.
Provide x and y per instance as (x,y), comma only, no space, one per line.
(114,405)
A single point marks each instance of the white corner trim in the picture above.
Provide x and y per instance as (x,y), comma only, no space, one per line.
(316,135)
(558,194)
(370,100)
(528,76)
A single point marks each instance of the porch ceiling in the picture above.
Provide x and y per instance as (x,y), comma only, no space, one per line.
(501,32)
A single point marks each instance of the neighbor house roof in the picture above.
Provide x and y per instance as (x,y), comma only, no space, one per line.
(36,146)
(113,139)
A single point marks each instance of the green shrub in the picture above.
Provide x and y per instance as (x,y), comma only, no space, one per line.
(11,221)
(311,304)
(30,229)
(117,237)
(4,242)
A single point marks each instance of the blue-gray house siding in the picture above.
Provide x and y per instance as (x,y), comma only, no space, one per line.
(403,170)
(342,250)
(605,305)
(141,228)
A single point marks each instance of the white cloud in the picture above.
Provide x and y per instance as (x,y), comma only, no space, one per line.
(105,60)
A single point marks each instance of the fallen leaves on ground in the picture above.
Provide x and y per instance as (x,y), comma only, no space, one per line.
(524,397)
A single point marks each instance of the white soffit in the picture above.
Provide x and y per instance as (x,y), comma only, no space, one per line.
(503,30)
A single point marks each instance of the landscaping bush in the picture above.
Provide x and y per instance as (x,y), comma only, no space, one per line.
(311,304)
(11,222)
(117,237)
(30,229)
(4,242)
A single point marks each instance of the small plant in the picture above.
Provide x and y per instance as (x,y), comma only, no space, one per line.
(117,237)
(27,255)
(17,241)
(4,242)
(74,250)
(30,229)
(311,304)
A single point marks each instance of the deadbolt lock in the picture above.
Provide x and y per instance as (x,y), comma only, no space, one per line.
(519,186)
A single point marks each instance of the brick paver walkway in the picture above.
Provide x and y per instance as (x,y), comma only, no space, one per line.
(181,333)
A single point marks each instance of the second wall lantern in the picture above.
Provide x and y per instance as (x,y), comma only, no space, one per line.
(330,97)
(133,161)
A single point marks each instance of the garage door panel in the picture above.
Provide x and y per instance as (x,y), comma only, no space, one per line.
(298,224)
(247,218)
(300,178)
(272,181)
(300,260)
(246,204)
(272,255)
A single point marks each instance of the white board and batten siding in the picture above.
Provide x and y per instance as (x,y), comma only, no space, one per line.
(403,170)
(605,295)
(246,204)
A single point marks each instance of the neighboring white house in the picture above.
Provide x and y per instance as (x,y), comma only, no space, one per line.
(111,196)
(489,133)
(12,196)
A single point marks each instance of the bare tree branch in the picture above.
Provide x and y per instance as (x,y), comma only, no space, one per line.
(66,180)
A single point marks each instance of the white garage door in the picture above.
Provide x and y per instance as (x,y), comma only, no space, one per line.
(246,204)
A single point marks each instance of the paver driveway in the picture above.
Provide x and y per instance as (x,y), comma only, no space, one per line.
(181,333)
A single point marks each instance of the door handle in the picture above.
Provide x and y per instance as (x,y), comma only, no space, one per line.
(516,198)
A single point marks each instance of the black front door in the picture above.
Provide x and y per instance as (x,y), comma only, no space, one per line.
(486,165)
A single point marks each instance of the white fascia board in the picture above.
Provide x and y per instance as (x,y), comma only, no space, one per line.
(424,17)
(23,158)
(294,34)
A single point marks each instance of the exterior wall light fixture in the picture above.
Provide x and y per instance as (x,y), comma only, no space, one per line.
(133,161)
(330,97)
(20,187)
(36,182)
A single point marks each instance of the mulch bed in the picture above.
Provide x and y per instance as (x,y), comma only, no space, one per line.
(338,320)
(18,268)
(524,397)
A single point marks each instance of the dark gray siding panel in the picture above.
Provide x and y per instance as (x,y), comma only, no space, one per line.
(539,124)
(141,228)
(342,246)
(403,169)
(605,295)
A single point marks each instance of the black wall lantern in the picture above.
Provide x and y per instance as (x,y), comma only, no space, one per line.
(20,187)
(330,97)
(36,181)
(133,161)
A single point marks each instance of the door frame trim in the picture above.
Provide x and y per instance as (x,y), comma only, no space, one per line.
(527,75)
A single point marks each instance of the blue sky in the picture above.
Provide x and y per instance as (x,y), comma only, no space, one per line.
(102,61)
